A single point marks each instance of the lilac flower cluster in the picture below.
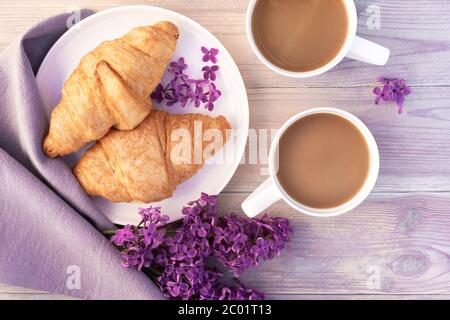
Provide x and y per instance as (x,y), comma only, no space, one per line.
(392,90)
(137,242)
(176,255)
(183,90)
(239,244)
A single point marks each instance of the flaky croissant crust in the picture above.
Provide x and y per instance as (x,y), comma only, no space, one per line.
(110,87)
(142,164)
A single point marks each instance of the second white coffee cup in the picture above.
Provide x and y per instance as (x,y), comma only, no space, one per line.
(271,190)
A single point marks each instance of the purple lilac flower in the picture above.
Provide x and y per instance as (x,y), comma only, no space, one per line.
(240,243)
(197,96)
(177,67)
(183,90)
(126,234)
(203,208)
(209,72)
(239,292)
(392,90)
(212,96)
(189,282)
(210,54)
(157,94)
(137,242)
(152,216)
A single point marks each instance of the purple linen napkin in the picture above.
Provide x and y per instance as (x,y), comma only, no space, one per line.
(49,228)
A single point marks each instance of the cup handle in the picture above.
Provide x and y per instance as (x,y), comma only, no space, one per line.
(368,51)
(262,198)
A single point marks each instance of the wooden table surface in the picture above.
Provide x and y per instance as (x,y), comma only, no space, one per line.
(396,245)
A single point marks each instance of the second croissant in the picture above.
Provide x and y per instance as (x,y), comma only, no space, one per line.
(146,164)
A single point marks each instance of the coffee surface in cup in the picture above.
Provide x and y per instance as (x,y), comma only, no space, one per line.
(300,35)
(324,161)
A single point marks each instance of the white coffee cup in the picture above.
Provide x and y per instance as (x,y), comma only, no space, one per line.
(354,47)
(272,191)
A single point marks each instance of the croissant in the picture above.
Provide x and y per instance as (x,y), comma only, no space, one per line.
(146,164)
(110,87)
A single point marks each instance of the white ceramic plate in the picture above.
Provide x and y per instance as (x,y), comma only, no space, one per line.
(65,55)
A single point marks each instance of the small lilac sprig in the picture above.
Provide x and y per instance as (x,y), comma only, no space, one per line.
(240,243)
(392,90)
(138,242)
(183,90)
(238,292)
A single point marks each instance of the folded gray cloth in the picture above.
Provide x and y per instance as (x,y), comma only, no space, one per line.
(49,229)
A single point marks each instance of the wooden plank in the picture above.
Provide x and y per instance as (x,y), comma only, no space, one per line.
(32,296)
(414,146)
(406,61)
(418,38)
(47,296)
(403,239)
(27,294)
(16,293)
